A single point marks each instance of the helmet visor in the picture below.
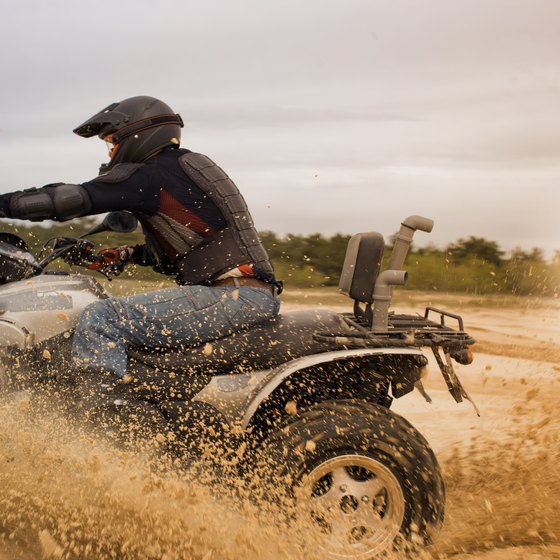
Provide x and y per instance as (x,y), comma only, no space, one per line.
(102,123)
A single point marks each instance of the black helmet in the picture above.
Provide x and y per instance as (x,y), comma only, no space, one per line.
(139,128)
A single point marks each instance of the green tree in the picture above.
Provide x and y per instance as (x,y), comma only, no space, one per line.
(528,273)
(536,255)
(487,251)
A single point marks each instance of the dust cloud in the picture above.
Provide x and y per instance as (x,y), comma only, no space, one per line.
(66,494)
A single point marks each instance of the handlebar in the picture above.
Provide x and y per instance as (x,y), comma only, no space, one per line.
(79,252)
(72,250)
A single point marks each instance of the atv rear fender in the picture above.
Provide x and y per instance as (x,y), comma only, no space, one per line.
(365,373)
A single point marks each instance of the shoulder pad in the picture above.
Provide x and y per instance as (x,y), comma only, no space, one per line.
(120,172)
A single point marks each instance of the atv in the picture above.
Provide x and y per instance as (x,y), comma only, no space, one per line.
(301,402)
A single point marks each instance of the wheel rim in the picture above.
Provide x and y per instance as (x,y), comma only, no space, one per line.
(356,505)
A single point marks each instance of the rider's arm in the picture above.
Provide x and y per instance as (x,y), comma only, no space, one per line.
(126,187)
(55,202)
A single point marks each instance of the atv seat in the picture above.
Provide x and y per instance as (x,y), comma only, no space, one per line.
(263,346)
(362,264)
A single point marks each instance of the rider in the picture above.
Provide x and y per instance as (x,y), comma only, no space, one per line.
(196,225)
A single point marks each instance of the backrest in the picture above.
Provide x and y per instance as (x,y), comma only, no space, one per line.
(361,266)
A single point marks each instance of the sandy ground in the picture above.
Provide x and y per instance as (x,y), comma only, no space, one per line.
(501,469)
(61,496)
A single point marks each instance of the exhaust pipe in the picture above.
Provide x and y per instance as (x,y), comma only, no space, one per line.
(394,275)
(382,295)
(404,239)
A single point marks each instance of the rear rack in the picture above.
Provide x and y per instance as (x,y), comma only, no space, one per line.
(402,331)
(443,315)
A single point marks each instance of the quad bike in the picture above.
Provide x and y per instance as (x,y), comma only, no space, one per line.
(306,395)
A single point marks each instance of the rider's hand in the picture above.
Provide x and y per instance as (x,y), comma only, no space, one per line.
(112,259)
(74,250)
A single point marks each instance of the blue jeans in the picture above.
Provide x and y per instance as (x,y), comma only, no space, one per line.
(166,318)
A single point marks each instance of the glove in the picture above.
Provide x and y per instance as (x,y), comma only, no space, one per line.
(74,250)
(111,262)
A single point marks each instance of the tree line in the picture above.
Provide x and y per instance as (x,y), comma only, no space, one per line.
(474,265)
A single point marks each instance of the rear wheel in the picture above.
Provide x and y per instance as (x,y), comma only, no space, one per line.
(362,477)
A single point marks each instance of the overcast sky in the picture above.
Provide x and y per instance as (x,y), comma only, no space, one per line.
(331,116)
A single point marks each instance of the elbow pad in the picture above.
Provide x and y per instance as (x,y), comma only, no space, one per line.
(61,202)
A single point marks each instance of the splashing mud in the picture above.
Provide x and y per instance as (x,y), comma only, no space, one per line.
(504,493)
(63,497)
(64,494)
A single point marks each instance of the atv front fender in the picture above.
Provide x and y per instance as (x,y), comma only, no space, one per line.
(239,396)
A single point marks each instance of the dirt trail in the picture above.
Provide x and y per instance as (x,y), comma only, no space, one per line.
(65,496)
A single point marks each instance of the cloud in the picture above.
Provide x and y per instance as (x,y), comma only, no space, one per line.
(331,116)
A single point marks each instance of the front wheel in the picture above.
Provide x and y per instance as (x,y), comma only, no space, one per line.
(363,477)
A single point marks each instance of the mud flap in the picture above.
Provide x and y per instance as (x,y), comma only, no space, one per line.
(458,392)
